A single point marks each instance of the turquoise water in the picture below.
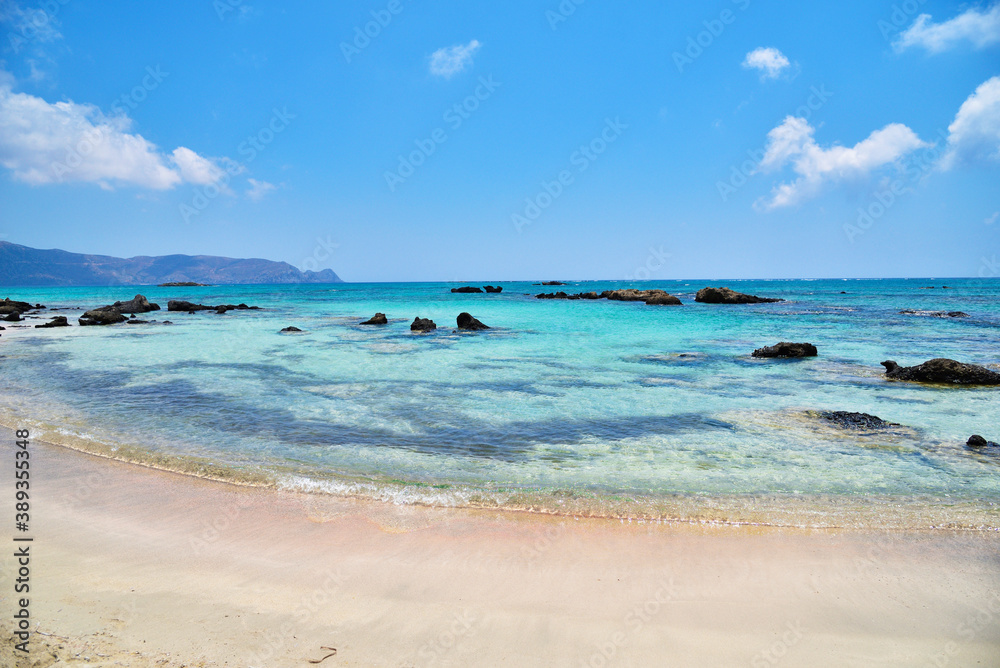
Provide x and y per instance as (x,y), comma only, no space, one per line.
(592,400)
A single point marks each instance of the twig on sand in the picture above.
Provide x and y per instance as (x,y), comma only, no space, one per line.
(332,650)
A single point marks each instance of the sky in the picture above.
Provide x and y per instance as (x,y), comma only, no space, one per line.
(394,140)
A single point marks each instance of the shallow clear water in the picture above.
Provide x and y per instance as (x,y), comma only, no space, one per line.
(578,399)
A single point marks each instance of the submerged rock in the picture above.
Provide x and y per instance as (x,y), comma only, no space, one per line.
(935,314)
(493,289)
(58,321)
(977,441)
(787,349)
(467,289)
(466,321)
(942,370)
(137,304)
(181,305)
(290,329)
(422,325)
(377,319)
(552,283)
(8,306)
(663,300)
(14,316)
(727,296)
(105,315)
(861,421)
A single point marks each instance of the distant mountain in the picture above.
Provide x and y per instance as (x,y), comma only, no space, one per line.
(23,266)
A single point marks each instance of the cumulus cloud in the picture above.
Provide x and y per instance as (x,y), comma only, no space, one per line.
(194,168)
(792,143)
(451,60)
(43,143)
(980,27)
(974,135)
(258,189)
(768,60)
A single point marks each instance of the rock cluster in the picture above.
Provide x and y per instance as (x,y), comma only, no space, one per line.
(942,370)
(727,296)
(787,349)
(422,325)
(377,319)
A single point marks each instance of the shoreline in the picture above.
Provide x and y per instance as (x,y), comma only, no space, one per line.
(186,570)
(802,511)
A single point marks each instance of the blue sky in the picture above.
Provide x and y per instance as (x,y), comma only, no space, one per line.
(516,140)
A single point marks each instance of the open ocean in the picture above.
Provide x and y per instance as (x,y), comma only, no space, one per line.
(583,407)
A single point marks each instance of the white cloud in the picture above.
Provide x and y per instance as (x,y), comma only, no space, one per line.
(980,27)
(992,219)
(974,135)
(258,189)
(28,25)
(768,60)
(194,168)
(793,142)
(451,60)
(42,143)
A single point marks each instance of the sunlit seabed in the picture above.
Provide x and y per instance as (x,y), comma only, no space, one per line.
(583,407)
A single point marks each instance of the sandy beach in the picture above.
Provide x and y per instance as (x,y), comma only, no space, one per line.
(137,567)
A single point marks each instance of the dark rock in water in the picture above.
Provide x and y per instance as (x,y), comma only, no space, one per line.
(843,292)
(422,325)
(663,300)
(862,421)
(377,319)
(291,329)
(181,305)
(8,306)
(493,289)
(136,321)
(553,283)
(14,316)
(727,296)
(935,314)
(166,322)
(942,370)
(787,349)
(552,295)
(467,289)
(648,296)
(137,304)
(184,284)
(58,321)
(466,321)
(105,315)
(977,441)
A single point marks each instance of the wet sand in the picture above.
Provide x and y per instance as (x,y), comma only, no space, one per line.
(132,566)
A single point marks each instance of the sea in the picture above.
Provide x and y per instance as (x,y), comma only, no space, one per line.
(582,408)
